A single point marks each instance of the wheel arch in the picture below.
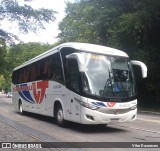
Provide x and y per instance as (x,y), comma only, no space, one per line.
(57,102)
(20,106)
(59,113)
(19,101)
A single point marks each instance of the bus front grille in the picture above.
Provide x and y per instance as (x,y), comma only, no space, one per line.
(114,111)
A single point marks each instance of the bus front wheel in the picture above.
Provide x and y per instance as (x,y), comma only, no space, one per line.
(59,116)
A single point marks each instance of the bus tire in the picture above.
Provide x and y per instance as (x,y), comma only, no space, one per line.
(59,116)
(21,108)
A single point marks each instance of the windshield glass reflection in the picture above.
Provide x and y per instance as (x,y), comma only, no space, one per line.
(108,77)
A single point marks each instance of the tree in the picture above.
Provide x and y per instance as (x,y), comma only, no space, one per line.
(79,23)
(20,53)
(27,18)
(123,24)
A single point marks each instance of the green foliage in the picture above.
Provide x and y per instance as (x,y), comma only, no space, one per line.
(2,55)
(118,23)
(21,53)
(5,84)
(80,23)
(27,18)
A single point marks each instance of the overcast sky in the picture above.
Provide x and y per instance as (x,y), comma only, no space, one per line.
(49,35)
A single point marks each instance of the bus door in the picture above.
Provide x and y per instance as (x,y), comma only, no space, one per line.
(73,83)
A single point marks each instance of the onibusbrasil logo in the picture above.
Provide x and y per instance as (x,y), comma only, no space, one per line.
(32,93)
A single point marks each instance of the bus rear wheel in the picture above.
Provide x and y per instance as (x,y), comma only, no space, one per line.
(21,108)
(59,116)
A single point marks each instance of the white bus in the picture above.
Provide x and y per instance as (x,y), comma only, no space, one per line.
(79,82)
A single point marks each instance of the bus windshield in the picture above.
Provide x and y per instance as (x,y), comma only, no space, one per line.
(108,76)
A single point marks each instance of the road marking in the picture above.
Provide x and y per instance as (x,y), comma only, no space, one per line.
(19,116)
(158,132)
(145,130)
(148,120)
(4,109)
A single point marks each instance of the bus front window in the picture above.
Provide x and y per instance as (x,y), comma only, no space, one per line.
(108,77)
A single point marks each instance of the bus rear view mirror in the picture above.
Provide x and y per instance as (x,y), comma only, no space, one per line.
(142,65)
(80,60)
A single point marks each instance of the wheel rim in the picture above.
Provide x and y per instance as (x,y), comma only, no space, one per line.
(60,116)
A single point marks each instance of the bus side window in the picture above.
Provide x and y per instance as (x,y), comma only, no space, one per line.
(56,72)
(26,74)
(47,69)
(72,80)
(56,69)
(20,80)
(33,73)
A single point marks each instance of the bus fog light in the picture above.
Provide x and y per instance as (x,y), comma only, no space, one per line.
(133,117)
(90,117)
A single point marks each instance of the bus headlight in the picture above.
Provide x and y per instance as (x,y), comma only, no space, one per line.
(90,106)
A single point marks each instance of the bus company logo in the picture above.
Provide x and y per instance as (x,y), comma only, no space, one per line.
(38,89)
(115,112)
(111,104)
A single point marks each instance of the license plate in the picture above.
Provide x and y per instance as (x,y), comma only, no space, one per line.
(114,120)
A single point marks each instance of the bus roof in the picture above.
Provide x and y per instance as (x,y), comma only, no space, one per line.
(93,48)
(86,47)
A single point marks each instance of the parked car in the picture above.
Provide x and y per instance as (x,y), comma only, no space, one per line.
(9,95)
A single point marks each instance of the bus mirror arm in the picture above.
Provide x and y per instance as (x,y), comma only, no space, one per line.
(142,65)
(79,59)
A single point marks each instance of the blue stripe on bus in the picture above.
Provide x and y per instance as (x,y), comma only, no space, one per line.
(98,103)
(24,98)
(27,95)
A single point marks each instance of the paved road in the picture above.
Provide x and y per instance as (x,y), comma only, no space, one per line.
(36,128)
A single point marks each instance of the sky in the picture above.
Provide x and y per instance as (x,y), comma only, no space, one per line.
(45,36)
